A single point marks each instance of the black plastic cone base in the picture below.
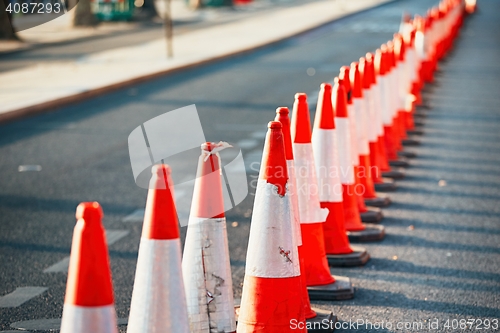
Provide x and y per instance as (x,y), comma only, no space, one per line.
(387,185)
(372,215)
(407,154)
(400,162)
(410,142)
(324,322)
(340,290)
(372,233)
(358,257)
(415,131)
(397,173)
(381,200)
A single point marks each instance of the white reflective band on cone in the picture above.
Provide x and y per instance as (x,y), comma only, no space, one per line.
(207,276)
(362,119)
(378,107)
(385,103)
(326,158)
(401,86)
(158,300)
(420,45)
(394,90)
(372,126)
(344,139)
(274,252)
(307,185)
(354,136)
(86,319)
(292,189)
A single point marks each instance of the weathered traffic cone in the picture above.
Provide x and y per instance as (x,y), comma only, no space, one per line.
(371,214)
(356,230)
(367,130)
(158,299)
(321,284)
(378,159)
(205,261)
(314,317)
(88,303)
(272,298)
(324,141)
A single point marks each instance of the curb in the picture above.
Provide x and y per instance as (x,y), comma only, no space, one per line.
(78,97)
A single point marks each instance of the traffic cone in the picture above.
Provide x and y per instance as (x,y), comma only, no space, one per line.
(314,317)
(158,300)
(322,285)
(356,230)
(271,298)
(88,303)
(385,108)
(404,85)
(206,268)
(367,131)
(324,141)
(378,159)
(372,214)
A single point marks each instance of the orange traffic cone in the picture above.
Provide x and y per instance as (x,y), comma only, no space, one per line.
(158,299)
(206,269)
(372,214)
(404,86)
(378,159)
(271,299)
(322,285)
(314,317)
(88,304)
(366,122)
(385,107)
(324,141)
(356,230)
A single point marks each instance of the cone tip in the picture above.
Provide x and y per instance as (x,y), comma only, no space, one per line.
(283,111)
(89,210)
(301,96)
(274,125)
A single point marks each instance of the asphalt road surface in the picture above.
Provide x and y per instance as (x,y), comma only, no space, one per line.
(440,260)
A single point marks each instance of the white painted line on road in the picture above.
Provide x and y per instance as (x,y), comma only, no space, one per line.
(136,216)
(237,127)
(53,324)
(20,296)
(247,143)
(112,236)
(60,266)
(26,168)
(258,134)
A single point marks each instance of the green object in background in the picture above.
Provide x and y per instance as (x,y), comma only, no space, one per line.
(216,3)
(113,10)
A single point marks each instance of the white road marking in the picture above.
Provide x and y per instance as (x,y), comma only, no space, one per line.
(25,168)
(258,134)
(112,236)
(238,127)
(247,143)
(136,216)
(53,324)
(20,296)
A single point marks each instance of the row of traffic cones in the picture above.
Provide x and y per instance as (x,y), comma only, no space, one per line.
(316,187)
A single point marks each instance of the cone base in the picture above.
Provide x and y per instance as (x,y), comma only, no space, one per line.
(381,200)
(316,324)
(410,142)
(394,174)
(415,131)
(341,289)
(407,154)
(372,215)
(400,162)
(372,233)
(357,258)
(387,185)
